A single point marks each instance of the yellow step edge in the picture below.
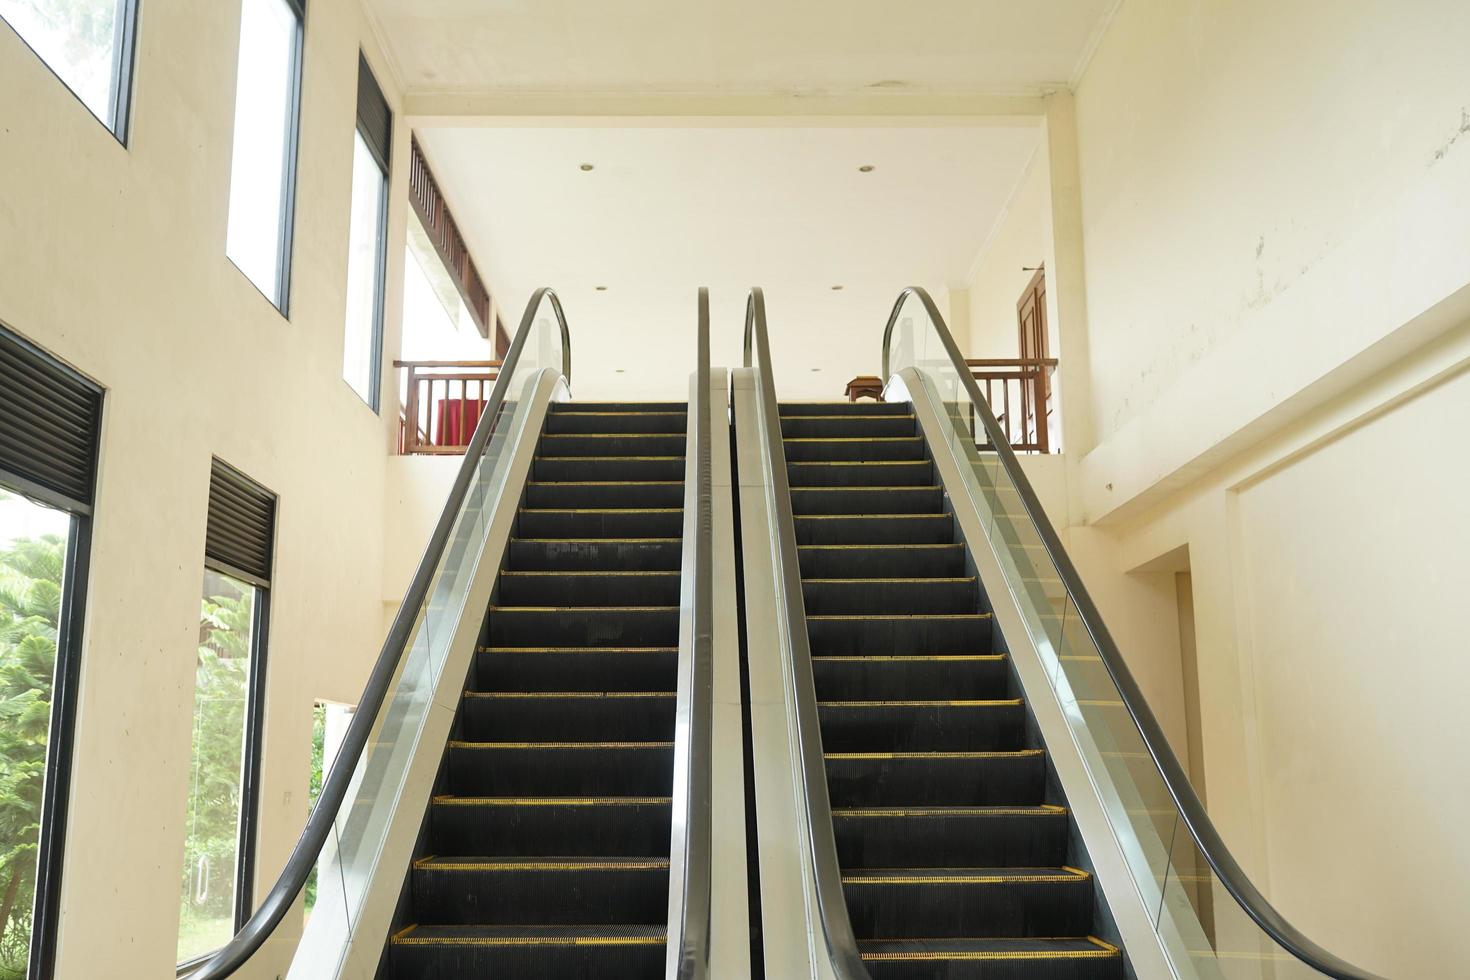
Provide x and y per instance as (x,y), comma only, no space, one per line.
(998,703)
(582,608)
(514,746)
(584,459)
(979,879)
(1104,951)
(613,435)
(609,571)
(448,800)
(604,483)
(432,862)
(883,488)
(846,462)
(584,695)
(1044,809)
(513,650)
(851,438)
(874,547)
(834,517)
(910,578)
(1017,754)
(919,657)
(402,939)
(602,510)
(907,616)
(597,540)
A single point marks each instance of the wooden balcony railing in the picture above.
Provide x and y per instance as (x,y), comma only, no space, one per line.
(1020,394)
(442,404)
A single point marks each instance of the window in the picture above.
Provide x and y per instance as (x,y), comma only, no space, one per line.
(329,722)
(263,162)
(362,349)
(88,44)
(49,425)
(229,674)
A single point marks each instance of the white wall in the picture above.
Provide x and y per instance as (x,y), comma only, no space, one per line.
(1020,239)
(113,258)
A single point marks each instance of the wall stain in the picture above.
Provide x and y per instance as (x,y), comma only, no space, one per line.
(1464,130)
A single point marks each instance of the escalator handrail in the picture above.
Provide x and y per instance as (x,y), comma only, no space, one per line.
(1186,800)
(319,824)
(695,821)
(821,848)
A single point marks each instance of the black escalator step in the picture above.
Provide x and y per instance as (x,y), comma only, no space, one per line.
(971,958)
(639,626)
(836,596)
(612,444)
(605,493)
(559,768)
(630,408)
(920,726)
(576,668)
(589,588)
(575,952)
(591,554)
(854,500)
(880,560)
(951,836)
(837,636)
(937,903)
(845,408)
(936,778)
(624,826)
(548,469)
(911,678)
(647,522)
(540,890)
(846,426)
(873,473)
(851,448)
(568,716)
(874,529)
(574,423)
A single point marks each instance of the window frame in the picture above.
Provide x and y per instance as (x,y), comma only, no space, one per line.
(286,223)
(124,60)
(382,161)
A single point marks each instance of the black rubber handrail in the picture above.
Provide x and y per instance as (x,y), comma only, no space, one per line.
(847,962)
(692,814)
(1186,800)
(334,788)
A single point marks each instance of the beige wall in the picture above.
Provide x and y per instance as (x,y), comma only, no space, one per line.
(1273,207)
(1021,238)
(113,258)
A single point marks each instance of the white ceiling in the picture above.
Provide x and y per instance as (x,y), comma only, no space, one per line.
(754,46)
(668,209)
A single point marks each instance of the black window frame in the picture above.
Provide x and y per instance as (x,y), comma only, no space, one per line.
(286,223)
(66,677)
(124,58)
(380,148)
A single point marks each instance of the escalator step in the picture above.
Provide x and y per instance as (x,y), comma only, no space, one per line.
(584,625)
(612,444)
(940,903)
(970,677)
(605,494)
(846,426)
(570,716)
(808,449)
(873,473)
(423,952)
(550,469)
(852,500)
(559,768)
(591,554)
(589,588)
(846,596)
(921,726)
(880,560)
(966,837)
(631,408)
(856,635)
(577,668)
(573,423)
(540,890)
(651,522)
(870,409)
(936,778)
(874,529)
(568,826)
(992,959)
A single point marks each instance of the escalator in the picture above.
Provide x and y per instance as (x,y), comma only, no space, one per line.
(546,848)
(955,847)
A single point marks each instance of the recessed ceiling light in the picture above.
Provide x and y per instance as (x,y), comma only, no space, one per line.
(815,370)
(587,166)
(836,288)
(600,289)
(620,370)
(866,168)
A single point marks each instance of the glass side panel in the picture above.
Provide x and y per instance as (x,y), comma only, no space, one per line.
(82,41)
(349,861)
(262,152)
(212,828)
(1204,931)
(32,557)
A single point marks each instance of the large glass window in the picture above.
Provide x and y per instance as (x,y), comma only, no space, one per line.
(367,246)
(263,164)
(210,900)
(87,43)
(33,556)
(329,723)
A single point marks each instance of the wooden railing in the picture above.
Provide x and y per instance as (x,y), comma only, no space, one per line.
(442,404)
(1020,394)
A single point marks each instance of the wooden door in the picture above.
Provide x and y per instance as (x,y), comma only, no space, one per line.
(1031,318)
